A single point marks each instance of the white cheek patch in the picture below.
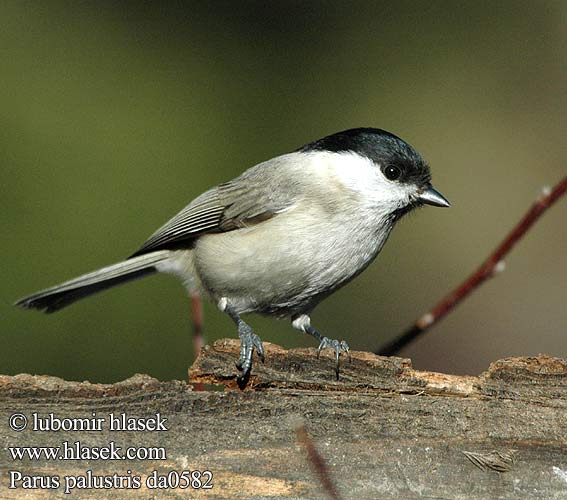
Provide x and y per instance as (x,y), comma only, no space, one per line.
(362,175)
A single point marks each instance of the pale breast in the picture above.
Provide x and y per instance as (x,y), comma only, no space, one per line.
(284,264)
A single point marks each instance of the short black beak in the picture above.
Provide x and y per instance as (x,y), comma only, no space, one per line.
(432,197)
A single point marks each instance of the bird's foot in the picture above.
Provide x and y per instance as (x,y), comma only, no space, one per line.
(338,347)
(248,342)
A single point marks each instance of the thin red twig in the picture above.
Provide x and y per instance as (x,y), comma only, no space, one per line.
(490,267)
(317,462)
(198,340)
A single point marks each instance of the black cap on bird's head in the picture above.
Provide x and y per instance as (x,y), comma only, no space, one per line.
(398,160)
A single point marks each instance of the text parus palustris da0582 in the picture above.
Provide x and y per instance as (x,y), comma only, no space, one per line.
(282,236)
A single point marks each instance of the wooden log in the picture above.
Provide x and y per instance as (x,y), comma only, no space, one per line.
(384,429)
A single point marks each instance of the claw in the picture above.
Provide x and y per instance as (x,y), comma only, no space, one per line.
(249,342)
(242,356)
(338,347)
(260,349)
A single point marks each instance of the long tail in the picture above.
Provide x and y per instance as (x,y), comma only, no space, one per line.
(59,296)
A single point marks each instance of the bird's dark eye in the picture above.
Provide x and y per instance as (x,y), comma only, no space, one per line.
(392,172)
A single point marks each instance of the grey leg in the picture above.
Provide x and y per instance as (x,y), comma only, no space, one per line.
(303,323)
(248,341)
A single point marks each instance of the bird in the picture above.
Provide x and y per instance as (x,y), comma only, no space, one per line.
(279,238)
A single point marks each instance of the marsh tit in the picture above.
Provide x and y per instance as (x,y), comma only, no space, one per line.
(282,236)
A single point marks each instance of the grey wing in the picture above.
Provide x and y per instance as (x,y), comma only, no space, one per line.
(202,215)
(257,195)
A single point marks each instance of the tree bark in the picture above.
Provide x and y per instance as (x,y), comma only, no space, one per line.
(385,430)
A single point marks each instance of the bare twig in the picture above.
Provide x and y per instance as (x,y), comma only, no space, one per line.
(489,268)
(317,462)
(198,340)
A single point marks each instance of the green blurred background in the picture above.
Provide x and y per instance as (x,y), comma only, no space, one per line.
(114,115)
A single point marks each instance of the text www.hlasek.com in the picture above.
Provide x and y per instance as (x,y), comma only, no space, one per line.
(76,451)
(80,450)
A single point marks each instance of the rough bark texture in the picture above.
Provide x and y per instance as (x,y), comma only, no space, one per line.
(386,430)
